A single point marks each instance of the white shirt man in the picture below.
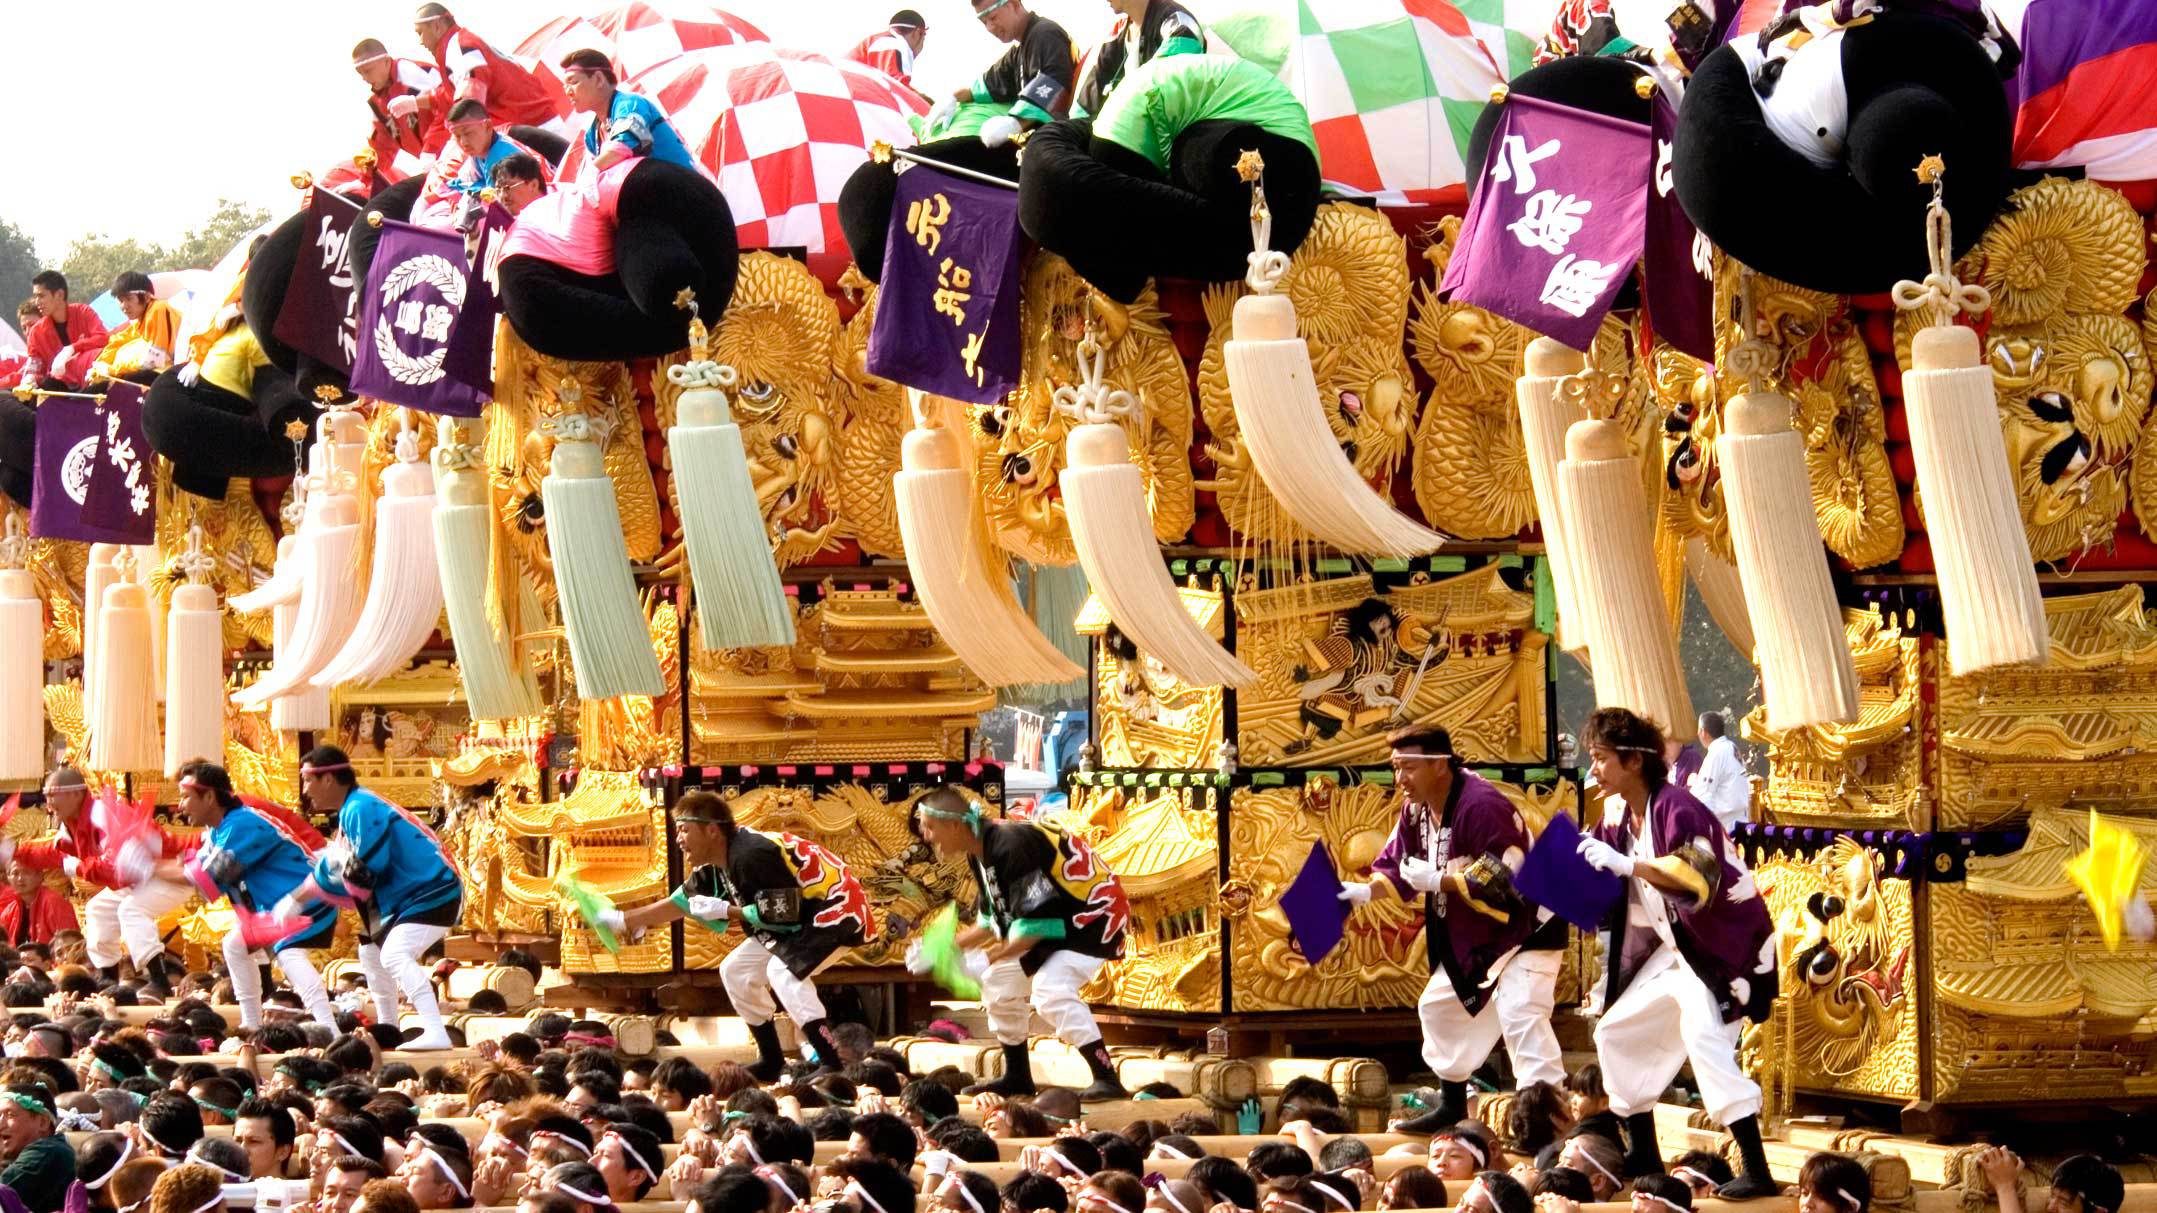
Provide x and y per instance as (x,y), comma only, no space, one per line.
(1722,782)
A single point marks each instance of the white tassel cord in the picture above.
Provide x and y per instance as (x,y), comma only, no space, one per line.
(1721,592)
(1805,667)
(1631,644)
(147,561)
(194,678)
(102,573)
(965,590)
(1546,412)
(286,575)
(123,730)
(609,639)
(307,708)
(739,600)
(22,660)
(328,605)
(498,682)
(1283,422)
(404,594)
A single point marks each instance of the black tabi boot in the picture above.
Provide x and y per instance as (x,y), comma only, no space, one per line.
(770,1057)
(1105,1083)
(1753,1181)
(818,1033)
(1642,1155)
(1018,1076)
(161,974)
(1451,1110)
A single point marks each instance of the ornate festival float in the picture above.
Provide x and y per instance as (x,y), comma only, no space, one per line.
(1417,350)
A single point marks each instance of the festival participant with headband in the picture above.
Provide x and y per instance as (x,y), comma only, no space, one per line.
(891,50)
(1455,846)
(120,919)
(624,124)
(472,69)
(1692,951)
(451,195)
(39,1164)
(408,893)
(1051,914)
(795,901)
(257,860)
(144,346)
(1144,30)
(405,129)
(1031,82)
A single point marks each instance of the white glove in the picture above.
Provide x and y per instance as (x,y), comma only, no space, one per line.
(710,909)
(61,360)
(1355,893)
(612,920)
(2141,924)
(70,865)
(944,112)
(158,359)
(915,961)
(134,864)
(1604,857)
(403,107)
(1421,874)
(938,1163)
(976,961)
(999,130)
(190,373)
(289,906)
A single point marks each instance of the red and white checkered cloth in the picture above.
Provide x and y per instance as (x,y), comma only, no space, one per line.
(636,36)
(782,130)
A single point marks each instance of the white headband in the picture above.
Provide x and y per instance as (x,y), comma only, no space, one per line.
(952,1181)
(1171,1151)
(1341,1200)
(346,1146)
(442,1164)
(370,59)
(1852,1201)
(1689,1176)
(854,1188)
(492,1137)
(1170,1197)
(1119,1208)
(194,1155)
(602,1200)
(213,1202)
(1469,1144)
(1588,1158)
(772,1173)
(630,1150)
(1664,1201)
(127,1151)
(1070,1166)
(1299,1208)
(749,1143)
(572,1142)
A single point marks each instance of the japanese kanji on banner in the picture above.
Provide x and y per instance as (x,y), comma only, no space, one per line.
(426,325)
(68,432)
(1679,265)
(947,315)
(1557,221)
(321,318)
(121,498)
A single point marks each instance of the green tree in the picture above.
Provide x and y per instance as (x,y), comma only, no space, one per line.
(18,264)
(92,262)
(207,242)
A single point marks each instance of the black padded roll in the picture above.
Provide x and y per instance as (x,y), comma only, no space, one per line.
(865,201)
(541,140)
(269,272)
(18,449)
(211,435)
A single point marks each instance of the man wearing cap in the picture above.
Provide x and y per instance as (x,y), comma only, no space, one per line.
(406,127)
(796,902)
(1145,30)
(256,859)
(1692,950)
(1493,956)
(39,1164)
(1050,915)
(472,69)
(1032,79)
(891,50)
(623,124)
(408,893)
(121,918)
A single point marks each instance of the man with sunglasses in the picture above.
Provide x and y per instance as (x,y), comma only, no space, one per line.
(1033,78)
(1494,962)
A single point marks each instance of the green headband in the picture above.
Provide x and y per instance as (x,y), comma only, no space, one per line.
(30,1103)
(227,1113)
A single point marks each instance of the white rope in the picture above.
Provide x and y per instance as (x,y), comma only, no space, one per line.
(1092,401)
(1940,293)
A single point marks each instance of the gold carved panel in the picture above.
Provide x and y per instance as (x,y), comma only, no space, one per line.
(1163,847)
(1868,773)
(1850,974)
(1148,717)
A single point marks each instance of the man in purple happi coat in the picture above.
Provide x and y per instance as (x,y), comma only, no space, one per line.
(1493,956)
(1691,954)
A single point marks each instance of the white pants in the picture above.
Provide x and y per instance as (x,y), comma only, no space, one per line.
(752,976)
(1012,999)
(1665,1018)
(117,922)
(300,973)
(1455,1043)
(393,963)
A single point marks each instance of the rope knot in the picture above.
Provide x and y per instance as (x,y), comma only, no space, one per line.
(578,427)
(1092,401)
(703,374)
(1267,266)
(196,563)
(14,544)
(1939,293)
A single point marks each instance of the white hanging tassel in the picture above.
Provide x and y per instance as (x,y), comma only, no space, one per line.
(1721,592)
(609,640)
(22,660)
(328,550)
(1631,645)
(123,728)
(1990,604)
(1553,395)
(1805,667)
(194,663)
(308,708)
(498,681)
(1284,424)
(966,591)
(286,575)
(404,596)
(739,601)
(1105,501)
(102,573)
(147,561)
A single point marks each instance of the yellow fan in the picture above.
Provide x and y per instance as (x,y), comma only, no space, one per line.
(2109,874)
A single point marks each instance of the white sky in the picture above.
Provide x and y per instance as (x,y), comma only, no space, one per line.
(153,109)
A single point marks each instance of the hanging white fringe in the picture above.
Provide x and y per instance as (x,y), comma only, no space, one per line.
(123,720)
(1990,604)
(739,601)
(964,588)
(194,664)
(1631,643)
(498,681)
(609,640)
(1284,424)
(404,594)
(328,555)
(1547,410)
(102,573)
(1105,501)
(1805,667)
(307,708)
(147,562)
(1716,579)
(22,660)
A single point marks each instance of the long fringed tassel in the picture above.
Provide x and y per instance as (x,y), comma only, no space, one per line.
(404,594)
(329,544)
(123,729)
(964,589)
(498,681)
(1546,412)
(22,660)
(1805,667)
(147,562)
(194,678)
(1630,640)
(307,708)
(739,600)
(1721,592)
(609,640)
(102,574)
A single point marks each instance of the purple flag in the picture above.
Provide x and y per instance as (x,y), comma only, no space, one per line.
(1679,263)
(321,317)
(68,432)
(1317,917)
(426,325)
(1557,221)
(1555,877)
(947,316)
(121,498)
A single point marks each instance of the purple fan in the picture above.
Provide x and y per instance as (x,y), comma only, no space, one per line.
(1317,917)
(1558,879)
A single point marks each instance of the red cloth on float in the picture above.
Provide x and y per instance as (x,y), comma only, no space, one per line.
(471,68)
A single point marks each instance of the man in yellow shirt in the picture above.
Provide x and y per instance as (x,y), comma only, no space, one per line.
(143,346)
